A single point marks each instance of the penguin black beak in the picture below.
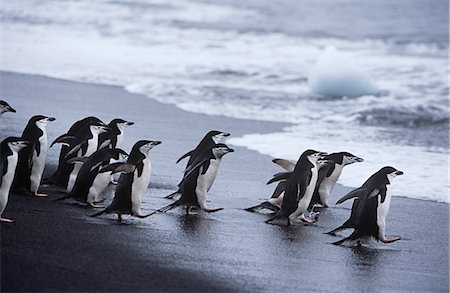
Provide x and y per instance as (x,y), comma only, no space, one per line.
(230,150)
(51,119)
(156,142)
(359,160)
(398,173)
(129,123)
(226,134)
(11,109)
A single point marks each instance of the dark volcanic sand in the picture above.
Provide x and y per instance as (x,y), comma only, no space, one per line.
(54,246)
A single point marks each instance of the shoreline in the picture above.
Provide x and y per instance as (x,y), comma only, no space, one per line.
(55,246)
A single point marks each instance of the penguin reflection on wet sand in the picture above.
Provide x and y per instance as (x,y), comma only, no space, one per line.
(133,183)
(90,183)
(31,162)
(300,186)
(5,107)
(209,140)
(198,179)
(9,149)
(370,208)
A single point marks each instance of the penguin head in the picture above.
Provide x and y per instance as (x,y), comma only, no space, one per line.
(145,145)
(16,144)
(217,136)
(119,155)
(120,123)
(390,172)
(349,158)
(41,120)
(5,107)
(220,149)
(97,128)
(313,156)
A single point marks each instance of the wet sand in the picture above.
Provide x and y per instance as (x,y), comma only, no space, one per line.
(55,246)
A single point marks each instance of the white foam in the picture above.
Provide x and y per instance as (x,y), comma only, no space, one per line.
(425,171)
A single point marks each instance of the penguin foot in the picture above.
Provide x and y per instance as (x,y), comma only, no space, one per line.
(212,210)
(307,220)
(99,200)
(40,194)
(390,240)
(6,220)
(326,205)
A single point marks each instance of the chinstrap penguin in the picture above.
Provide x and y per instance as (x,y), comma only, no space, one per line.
(133,183)
(5,107)
(31,162)
(198,179)
(370,208)
(9,149)
(209,140)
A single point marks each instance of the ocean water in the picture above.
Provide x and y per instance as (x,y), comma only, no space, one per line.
(253,59)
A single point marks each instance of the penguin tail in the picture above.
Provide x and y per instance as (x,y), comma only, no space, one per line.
(173,194)
(277,216)
(264,205)
(333,232)
(169,207)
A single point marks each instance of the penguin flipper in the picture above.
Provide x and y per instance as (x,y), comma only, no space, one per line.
(285,164)
(119,167)
(359,192)
(3,168)
(64,139)
(279,177)
(74,149)
(188,154)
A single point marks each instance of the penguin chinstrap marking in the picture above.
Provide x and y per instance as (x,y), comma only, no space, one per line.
(61,176)
(113,138)
(83,146)
(5,107)
(370,208)
(133,183)
(9,153)
(31,161)
(300,185)
(209,140)
(198,179)
(90,182)
(329,174)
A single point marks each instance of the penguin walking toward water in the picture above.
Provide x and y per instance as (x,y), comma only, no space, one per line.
(198,179)
(9,149)
(83,146)
(133,183)
(209,140)
(370,208)
(329,174)
(90,183)
(61,176)
(300,185)
(31,161)
(5,107)
(275,201)
(114,137)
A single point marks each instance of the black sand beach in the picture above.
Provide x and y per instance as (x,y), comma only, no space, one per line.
(55,246)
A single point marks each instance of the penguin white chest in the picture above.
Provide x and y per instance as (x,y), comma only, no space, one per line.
(306,199)
(140,183)
(329,182)
(205,181)
(38,164)
(382,212)
(7,181)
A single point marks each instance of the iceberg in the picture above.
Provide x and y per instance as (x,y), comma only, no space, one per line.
(335,74)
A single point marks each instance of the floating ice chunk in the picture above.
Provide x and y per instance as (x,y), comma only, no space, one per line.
(337,75)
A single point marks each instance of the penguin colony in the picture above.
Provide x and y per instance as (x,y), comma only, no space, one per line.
(91,158)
